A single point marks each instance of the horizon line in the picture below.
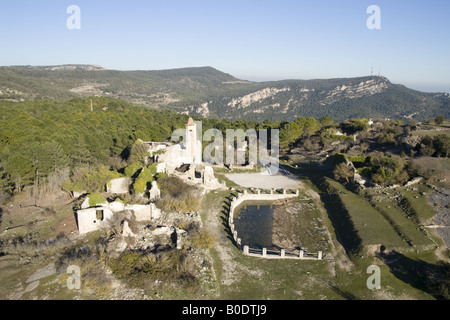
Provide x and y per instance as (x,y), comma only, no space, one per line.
(256,79)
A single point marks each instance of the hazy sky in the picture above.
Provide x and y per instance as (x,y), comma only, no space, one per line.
(253,40)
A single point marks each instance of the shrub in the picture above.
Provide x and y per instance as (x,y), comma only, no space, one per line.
(177,196)
(355,125)
(340,158)
(326,121)
(389,170)
(131,170)
(90,179)
(184,204)
(144,178)
(365,172)
(386,138)
(439,120)
(343,171)
(359,161)
(203,239)
(160,176)
(439,146)
(95,199)
(139,153)
(438,280)
(95,281)
(442,145)
(142,268)
(139,186)
(173,186)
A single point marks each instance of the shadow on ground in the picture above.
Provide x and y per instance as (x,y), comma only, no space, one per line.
(433,279)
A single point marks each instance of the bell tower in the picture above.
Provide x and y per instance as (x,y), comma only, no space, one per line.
(193,151)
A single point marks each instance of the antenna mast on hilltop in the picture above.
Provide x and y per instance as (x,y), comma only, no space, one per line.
(379,72)
(371,72)
(92,109)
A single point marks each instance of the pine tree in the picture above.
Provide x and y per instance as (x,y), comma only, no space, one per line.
(20,169)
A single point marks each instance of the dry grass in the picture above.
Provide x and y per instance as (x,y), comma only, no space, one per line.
(178,196)
(436,170)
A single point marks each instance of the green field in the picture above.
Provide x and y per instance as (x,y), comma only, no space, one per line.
(241,277)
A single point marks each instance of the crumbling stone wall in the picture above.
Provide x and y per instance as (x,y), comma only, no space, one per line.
(119,185)
(92,219)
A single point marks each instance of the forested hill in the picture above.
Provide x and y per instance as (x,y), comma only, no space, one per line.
(43,139)
(207,92)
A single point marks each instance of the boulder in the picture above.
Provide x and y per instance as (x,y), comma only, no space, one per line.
(126,231)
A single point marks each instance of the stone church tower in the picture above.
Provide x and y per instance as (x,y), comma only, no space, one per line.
(193,145)
(189,151)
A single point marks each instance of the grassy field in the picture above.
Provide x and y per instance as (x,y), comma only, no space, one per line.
(431,133)
(376,219)
(240,277)
(371,226)
(433,130)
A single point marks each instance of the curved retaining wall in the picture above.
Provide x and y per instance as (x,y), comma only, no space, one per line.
(263,195)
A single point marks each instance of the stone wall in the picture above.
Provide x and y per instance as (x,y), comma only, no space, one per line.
(262,195)
(92,219)
(155,193)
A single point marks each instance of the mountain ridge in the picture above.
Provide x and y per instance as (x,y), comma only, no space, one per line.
(208,92)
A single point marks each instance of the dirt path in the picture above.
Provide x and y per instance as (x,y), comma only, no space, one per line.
(213,223)
(265,181)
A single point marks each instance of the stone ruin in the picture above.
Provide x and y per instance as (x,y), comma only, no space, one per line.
(187,154)
(94,218)
(203,176)
(119,185)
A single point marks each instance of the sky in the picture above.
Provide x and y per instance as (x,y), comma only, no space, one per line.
(254,40)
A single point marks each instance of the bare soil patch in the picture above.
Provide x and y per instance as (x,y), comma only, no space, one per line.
(265,181)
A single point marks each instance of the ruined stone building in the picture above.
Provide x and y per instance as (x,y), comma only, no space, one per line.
(189,151)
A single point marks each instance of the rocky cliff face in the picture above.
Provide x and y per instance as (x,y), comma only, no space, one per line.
(364,88)
(254,97)
(284,101)
(369,97)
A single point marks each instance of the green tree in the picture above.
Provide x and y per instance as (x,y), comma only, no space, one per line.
(343,171)
(131,169)
(20,169)
(439,120)
(80,153)
(58,158)
(139,153)
(142,182)
(389,170)
(426,147)
(289,134)
(90,179)
(363,147)
(355,125)
(326,121)
(302,127)
(442,145)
